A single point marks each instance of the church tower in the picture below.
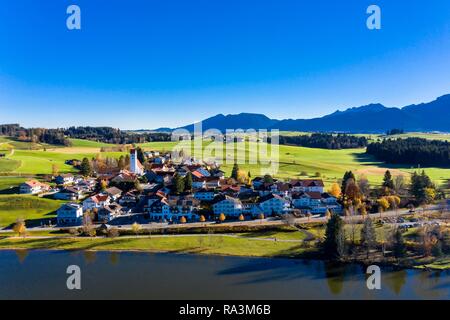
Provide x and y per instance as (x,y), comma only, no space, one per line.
(135,166)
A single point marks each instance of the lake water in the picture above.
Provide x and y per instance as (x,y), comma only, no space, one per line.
(128,275)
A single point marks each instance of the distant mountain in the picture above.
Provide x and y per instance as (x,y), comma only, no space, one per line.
(431,116)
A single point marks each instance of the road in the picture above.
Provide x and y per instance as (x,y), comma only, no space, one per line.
(264,222)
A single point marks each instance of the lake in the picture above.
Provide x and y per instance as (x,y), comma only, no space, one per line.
(136,275)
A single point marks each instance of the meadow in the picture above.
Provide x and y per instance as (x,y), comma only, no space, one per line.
(293,162)
(32,209)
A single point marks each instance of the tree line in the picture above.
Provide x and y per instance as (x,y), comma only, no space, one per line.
(114,136)
(414,151)
(36,135)
(325,141)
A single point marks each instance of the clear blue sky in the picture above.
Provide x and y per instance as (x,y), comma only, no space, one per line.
(152,63)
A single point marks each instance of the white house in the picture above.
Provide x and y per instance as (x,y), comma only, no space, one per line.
(273,203)
(308,185)
(64,179)
(109,212)
(113,192)
(33,187)
(98,201)
(68,193)
(227,205)
(69,214)
(174,209)
(307,199)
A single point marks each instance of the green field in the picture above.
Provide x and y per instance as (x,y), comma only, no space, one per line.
(221,245)
(293,160)
(27,207)
(89,143)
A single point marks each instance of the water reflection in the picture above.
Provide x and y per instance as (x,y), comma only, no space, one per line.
(177,276)
(21,255)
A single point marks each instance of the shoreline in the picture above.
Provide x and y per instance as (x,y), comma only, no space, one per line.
(309,253)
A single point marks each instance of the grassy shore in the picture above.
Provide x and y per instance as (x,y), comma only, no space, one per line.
(198,244)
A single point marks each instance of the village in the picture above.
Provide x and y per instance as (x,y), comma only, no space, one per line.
(155,195)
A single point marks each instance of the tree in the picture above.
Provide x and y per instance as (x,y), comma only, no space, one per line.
(234,171)
(383,204)
(242,176)
(399,248)
(103,185)
(202,218)
(352,191)
(183,219)
(419,185)
(400,186)
(261,216)
(178,183)
(388,183)
(85,167)
(368,236)
(364,185)
(121,163)
(140,155)
(188,182)
(222,217)
(268,178)
(20,228)
(348,175)
(241,217)
(136,228)
(113,232)
(335,190)
(334,244)
(55,169)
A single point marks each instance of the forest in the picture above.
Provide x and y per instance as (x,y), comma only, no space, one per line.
(413,151)
(325,141)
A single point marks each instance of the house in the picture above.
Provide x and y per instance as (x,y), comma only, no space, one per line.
(129,199)
(124,176)
(273,204)
(257,182)
(227,205)
(308,185)
(135,165)
(97,201)
(68,193)
(33,187)
(172,209)
(204,194)
(114,193)
(64,179)
(109,212)
(306,199)
(329,199)
(69,214)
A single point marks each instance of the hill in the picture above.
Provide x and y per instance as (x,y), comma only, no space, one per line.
(372,118)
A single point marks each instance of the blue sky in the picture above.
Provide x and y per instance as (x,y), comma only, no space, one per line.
(151,63)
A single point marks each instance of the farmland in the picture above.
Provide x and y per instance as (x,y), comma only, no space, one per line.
(294,162)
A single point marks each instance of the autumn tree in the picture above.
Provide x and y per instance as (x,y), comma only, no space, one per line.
(348,175)
(183,219)
(136,228)
(399,248)
(202,218)
(55,170)
(241,217)
(222,217)
(335,190)
(388,182)
(20,228)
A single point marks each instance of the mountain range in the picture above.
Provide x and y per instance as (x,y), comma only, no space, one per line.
(372,118)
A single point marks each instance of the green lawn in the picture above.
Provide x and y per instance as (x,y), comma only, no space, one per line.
(30,208)
(89,143)
(7,182)
(189,244)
